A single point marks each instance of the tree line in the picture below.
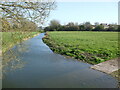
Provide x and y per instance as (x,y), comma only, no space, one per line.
(87,26)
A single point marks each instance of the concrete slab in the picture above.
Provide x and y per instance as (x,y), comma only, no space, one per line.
(108,66)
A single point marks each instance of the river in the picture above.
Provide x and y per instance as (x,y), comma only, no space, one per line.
(39,67)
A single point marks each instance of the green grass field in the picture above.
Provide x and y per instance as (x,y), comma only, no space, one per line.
(91,47)
(9,39)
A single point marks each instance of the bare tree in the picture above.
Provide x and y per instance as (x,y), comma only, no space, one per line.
(36,12)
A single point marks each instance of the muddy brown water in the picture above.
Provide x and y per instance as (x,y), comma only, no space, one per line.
(39,67)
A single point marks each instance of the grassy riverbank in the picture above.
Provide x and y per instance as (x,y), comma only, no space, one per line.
(91,47)
(9,39)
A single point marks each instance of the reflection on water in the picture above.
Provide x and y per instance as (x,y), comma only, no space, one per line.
(12,59)
(39,67)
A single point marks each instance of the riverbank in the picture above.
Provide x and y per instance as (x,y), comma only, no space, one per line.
(9,39)
(98,50)
(91,47)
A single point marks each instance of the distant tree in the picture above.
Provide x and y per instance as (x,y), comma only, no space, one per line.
(76,24)
(96,23)
(72,27)
(88,26)
(99,28)
(112,27)
(61,28)
(81,27)
(54,25)
(47,28)
(118,28)
(70,24)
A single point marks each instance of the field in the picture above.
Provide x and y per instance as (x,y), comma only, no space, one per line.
(91,47)
(9,39)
